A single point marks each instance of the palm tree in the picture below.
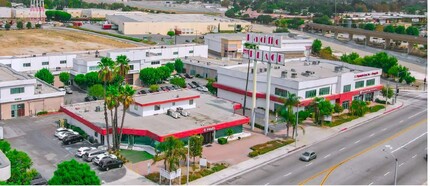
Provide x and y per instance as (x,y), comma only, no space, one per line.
(122,67)
(126,98)
(316,110)
(286,111)
(112,102)
(174,152)
(105,74)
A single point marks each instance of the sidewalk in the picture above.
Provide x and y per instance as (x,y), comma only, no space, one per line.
(303,141)
(131,178)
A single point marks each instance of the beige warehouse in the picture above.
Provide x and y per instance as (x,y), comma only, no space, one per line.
(183,24)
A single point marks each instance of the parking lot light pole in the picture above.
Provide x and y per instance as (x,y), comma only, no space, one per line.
(297,125)
(396,163)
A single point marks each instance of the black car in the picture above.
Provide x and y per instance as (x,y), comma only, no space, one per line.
(90,98)
(163,88)
(109,163)
(72,139)
(188,76)
(176,87)
(168,88)
(195,83)
(143,92)
(150,91)
(39,180)
(192,85)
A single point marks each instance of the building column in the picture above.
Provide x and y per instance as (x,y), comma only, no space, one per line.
(410,47)
(387,43)
(351,37)
(367,41)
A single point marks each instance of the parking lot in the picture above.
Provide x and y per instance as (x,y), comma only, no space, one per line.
(189,82)
(78,96)
(35,136)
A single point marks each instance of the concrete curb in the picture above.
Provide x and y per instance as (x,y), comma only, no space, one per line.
(393,109)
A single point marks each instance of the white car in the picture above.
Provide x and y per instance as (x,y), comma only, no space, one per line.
(203,89)
(81,151)
(62,89)
(62,135)
(100,157)
(61,130)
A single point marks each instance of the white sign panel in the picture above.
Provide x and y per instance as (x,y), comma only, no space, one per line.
(261,39)
(203,162)
(258,55)
(266,56)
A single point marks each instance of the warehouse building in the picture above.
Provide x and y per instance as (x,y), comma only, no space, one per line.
(154,117)
(182,24)
(23,95)
(5,13)
(231,45)
(337,81)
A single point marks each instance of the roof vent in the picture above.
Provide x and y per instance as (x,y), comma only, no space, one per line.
(260,69)
(293,70)
(284,74)
(293,75)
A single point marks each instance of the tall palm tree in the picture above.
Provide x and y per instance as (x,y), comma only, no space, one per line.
(112,102)
(126,98)
(286,111)
(174,151)
(122,67)
(316,109)
(106,75)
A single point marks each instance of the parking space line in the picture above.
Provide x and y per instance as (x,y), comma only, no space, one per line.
(342,149)
(309,164)
(414,156)
(401,164)
(287,174)
(327,155)
(386,173)
(356,142)
(372,134)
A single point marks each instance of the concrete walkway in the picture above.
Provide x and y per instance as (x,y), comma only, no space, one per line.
(304,140)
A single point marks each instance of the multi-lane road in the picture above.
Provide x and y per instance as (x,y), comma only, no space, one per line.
(363,155)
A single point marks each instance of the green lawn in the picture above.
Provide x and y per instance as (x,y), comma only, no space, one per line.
(136,156)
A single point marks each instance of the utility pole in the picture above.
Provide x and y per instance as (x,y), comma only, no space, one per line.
(396,164)
(188,161)
(297,125)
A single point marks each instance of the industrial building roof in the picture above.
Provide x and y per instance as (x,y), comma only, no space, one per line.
(242,36)
(209,111)
(173,18)
(170,96)
(8,74)
(319,69)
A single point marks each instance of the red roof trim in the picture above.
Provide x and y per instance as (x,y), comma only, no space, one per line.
(83,121)
(167,101)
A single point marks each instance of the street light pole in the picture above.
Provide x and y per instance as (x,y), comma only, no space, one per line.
(297,125)
(396,163)
(188,161)
(386,95)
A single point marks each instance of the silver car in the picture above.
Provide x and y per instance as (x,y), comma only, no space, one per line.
(308,156)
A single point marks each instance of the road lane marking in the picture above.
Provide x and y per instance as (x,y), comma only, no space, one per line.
(384,129)
(417,114)
(401,121)
(356,142)
(370,183)
(309,164)
(342,149)
(409,142)
(287,174)
(327,156)
(372,134)
(329,170)
(414,156)
(267,184)
(401,164)
(386,173)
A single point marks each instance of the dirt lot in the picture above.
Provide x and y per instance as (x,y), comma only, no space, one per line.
(23,42)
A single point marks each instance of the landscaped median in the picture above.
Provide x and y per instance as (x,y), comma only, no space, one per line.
(343,118)
(269,146)
(196,172)
(117,35)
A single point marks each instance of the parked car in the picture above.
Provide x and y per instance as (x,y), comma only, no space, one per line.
(167,88)
(109,163)
(192,85)
(71,139)
(181,76)
(308,156)
(61,89)
(39,180)
(68,90)
(196,84)
(203,89)
(188,76)
(143,92)
(81,151)
(90,98)
(62,135)
(90,155)
(176,87)
(163,88)
(101,157)
(61,130)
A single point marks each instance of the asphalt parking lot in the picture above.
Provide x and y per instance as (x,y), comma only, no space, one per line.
(78,96)
(35,136)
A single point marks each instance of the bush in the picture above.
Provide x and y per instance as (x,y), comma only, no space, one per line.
(268,146)
(376,108)
(222,141)
(380,101)
(42,113)
(341,119)
(155,176)
(178,81)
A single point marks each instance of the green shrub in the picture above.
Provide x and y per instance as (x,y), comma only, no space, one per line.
(218,167)
(155,176)
(222,141)
(380,101)
(376,108)
(268,146)
(42,113)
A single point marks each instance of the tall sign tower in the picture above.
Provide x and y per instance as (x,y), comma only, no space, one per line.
(37,10)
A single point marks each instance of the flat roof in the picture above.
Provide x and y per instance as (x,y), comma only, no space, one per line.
(8,74)
(165,97)
(324,69)
(196,18)
(209,111)
(242,36)
(209,62)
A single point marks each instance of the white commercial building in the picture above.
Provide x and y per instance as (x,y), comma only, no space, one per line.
(23,95)
(5,12)
(140,58)
(231,45)
(336,81)
(26,13)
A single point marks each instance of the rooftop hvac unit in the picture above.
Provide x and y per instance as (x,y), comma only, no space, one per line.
(293,70)
(293,75)
(98,109)
(261,70)
(172,113)
(265,69)
(305,74)
(284,74)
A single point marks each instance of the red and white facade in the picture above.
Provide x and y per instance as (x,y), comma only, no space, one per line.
(339,87)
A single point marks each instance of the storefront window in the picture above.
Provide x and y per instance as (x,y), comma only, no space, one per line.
(359,84)
(143,140)
(281,92)
(222,132)
(370,82)
(345,105)
(346,88)
(310,93)
(324,91)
